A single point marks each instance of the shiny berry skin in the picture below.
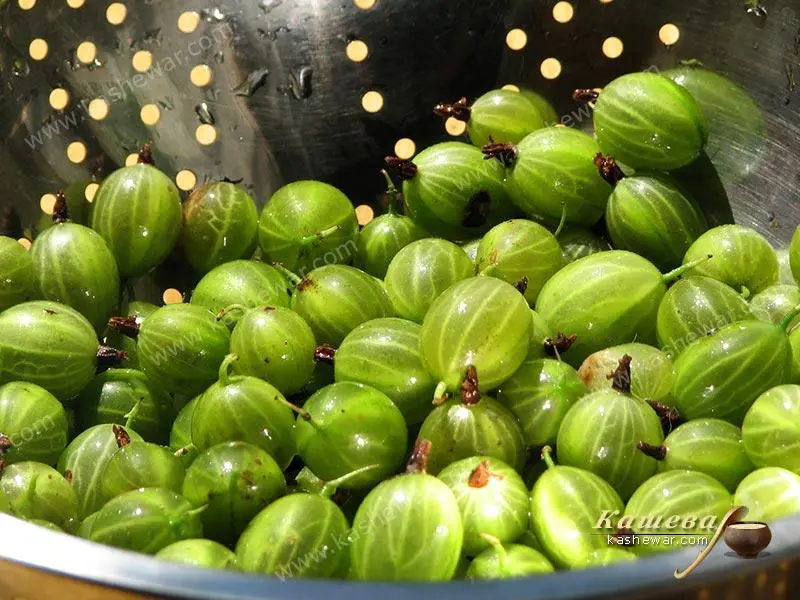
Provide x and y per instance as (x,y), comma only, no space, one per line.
(35,423)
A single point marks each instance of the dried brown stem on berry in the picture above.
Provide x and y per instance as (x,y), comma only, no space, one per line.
(122,437)
(657,452)
(621,376)
(585,95)
(418,463)
(609,169)
(324,353)
(146,155)
(108,357)
(127,326)
(670,416)
(480,475)
(458,110)
(505,154)
(60,210)
(469,387)
(404,169)
(5,443)
(522,285)
(560,344)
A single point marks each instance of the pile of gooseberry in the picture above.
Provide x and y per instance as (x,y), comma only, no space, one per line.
(547,326)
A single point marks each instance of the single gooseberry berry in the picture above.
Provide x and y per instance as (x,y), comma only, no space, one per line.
(335,299)
(384,354)
(308,224)
(235,480)
(472,425)
(771,493)
(565,505)
(508,561)
(452,192)
(33,422)
(180,436)
(481,322)
(139,311)
(246,409)
(721,375)
(17,274)
(139,465)
(577,243)
(274,344)
(137,211)
(539,394)
(180,346)
(697,501)
(200,553)
(771,428)
(382,238)
(551,174)
(420,272)
(38,491)
(522,253)
(493,499)
(53,346)
(346,426)
(146,520)
(505,115)
(74,265)
(241,283)
(549,114)
(772,304)
(624,117)
(599,434)
(83,461)
(112,395)
(711,446)
(695,307)
(380,547)
(220,224)
(741,257)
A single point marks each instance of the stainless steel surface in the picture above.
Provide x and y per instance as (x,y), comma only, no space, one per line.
(305,119)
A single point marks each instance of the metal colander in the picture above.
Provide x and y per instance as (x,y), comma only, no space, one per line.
(270,91)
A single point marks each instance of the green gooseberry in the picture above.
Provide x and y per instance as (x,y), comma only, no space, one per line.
(17,274)
(539,394)
(771,493)
(710,446)
(522,253)
(471,248)
(275,344)
(146,520)
(51,345)
(246,409)
(741,257)
(551,175)
(650,371)
(651,215)
(381,548)
(200,553)
(492,499)
(385,354)
(74,265)
(549,114)
(624,117)
(220,224)
(786,277)
(37,491)
(33,422)
(452,192)
(508,561)
(738,135)
(702,181)
(83,461)
(772,304)
(578,243)
(794,255)
(245,283)
(180,346)
(137,211)
(721,375)
(771,429)
(480,322)
(421,272)
(599,434)
(542,338)
(85,528)
(695,307)
(139,311)
(498,116)
(565,505)
(675,503)
(180,436)
(631,289)
(335,299)
(140,465)
(111,396)
(381,239)
(307,224)
(470,426)
(605,557)
(346,426)
(235,480)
